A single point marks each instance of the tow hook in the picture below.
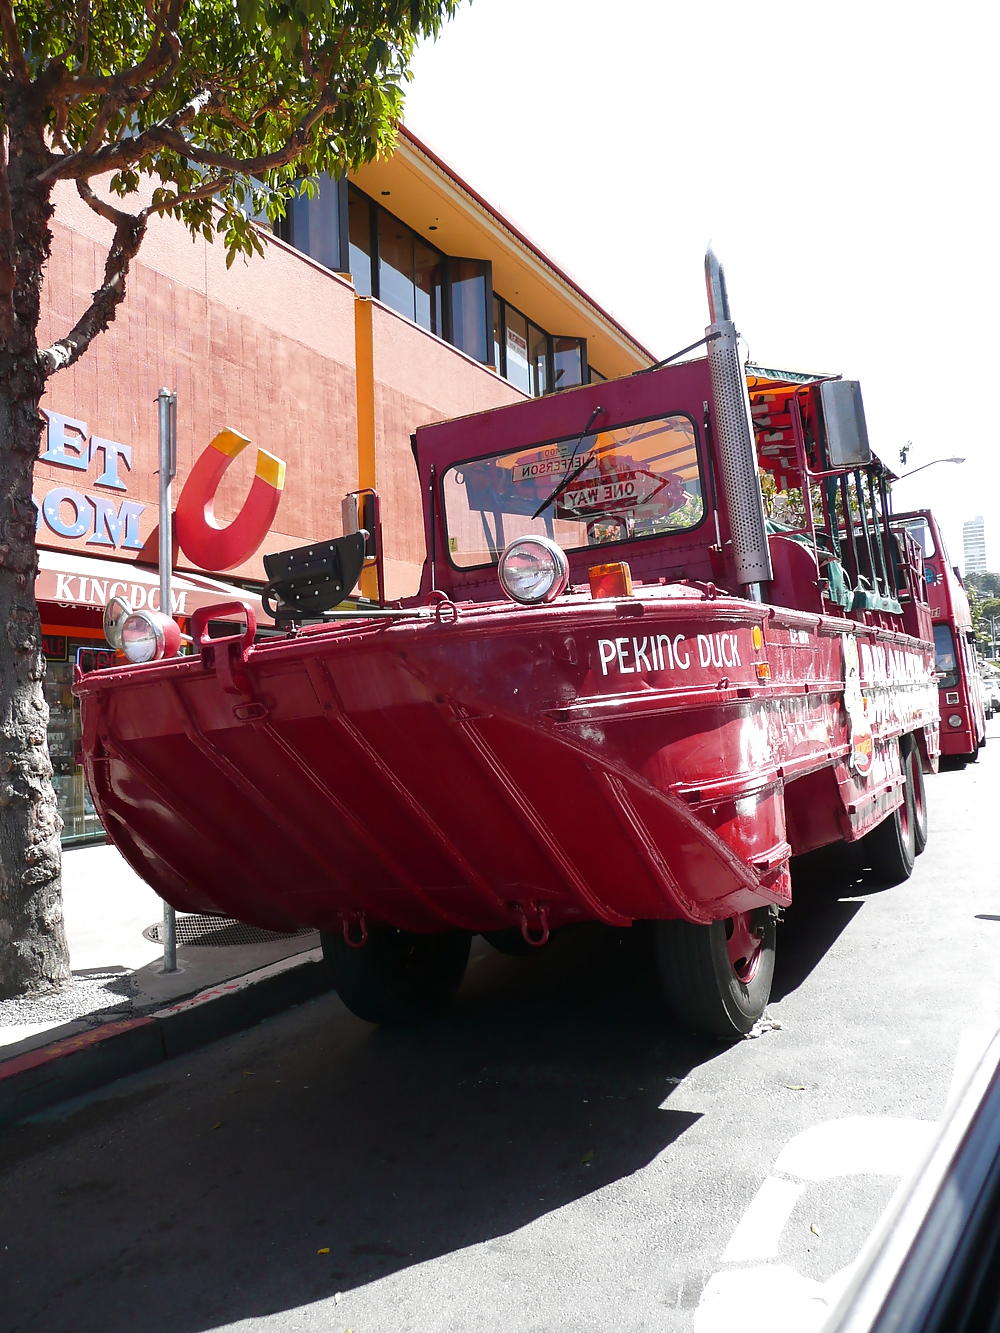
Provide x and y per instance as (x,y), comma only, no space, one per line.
(760,917)
(536,942)
(362,925)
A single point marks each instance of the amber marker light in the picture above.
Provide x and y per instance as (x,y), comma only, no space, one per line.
(611,580)
(763,670)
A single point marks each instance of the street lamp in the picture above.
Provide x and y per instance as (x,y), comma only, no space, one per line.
(932,464)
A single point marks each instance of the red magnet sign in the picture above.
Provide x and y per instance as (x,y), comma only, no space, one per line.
(201,537)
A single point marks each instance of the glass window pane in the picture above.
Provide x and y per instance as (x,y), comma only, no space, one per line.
(360,236)
(316,223)
(595,376)
(468,307)
(568,362)
(641,480)
(496,335)
(944,650)
(428,282)
(517,350)
(538,346)
(395,264)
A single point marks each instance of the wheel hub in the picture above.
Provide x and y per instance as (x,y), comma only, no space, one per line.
(743,944)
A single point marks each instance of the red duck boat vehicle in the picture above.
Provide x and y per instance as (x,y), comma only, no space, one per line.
(963,713)
(623,694)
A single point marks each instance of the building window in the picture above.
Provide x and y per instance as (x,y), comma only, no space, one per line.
(360,231)
(428,287)
(533,360)
(450,296)
(471,284)
(516,367)
(316,226)
(395,264)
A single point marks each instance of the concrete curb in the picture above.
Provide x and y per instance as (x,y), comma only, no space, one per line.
(41,1078)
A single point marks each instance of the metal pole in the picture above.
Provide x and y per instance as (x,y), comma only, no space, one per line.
(167,404)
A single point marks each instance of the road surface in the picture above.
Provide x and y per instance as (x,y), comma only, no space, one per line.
(551,1155)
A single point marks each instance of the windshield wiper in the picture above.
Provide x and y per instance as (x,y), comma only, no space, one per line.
(568,480)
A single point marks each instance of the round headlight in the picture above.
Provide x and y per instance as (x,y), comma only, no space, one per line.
(146,636)
(533,569)
(955,720)
(116,612)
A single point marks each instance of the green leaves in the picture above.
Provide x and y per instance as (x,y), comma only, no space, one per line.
(241,98)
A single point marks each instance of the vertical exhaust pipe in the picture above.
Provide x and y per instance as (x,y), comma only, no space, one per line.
(735,438)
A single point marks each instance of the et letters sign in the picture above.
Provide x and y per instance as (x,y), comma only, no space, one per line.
(95,512)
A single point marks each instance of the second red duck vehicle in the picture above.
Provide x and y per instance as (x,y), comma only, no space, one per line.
(622,695)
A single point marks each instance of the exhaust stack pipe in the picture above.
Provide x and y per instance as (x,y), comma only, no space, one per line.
(734,432)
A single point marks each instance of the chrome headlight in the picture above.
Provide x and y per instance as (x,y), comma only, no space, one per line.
(116,613)
(146,636)
(533,569)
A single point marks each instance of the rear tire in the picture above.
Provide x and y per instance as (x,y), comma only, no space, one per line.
(706,989)
(891,847)
(397,977)
(915,776)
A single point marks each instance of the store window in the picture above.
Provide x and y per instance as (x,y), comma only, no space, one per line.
(80,821)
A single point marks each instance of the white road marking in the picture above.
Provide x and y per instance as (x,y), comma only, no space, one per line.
(856,1146)
(759,1229)
(774,1298)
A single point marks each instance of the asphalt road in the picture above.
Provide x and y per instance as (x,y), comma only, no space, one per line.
(550,1156)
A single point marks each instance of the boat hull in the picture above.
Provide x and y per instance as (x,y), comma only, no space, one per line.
(657,757)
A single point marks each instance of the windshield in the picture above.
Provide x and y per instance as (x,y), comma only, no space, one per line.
(944,647)
(920,530)
(641,480)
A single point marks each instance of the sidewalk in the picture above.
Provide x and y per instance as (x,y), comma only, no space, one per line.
(119,985)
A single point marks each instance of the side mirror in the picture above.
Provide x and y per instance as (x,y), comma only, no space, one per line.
(844,423)
(358,513)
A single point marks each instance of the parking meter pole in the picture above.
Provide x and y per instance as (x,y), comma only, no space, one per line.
(167,405)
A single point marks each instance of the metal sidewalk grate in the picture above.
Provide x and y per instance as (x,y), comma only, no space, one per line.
(219,932)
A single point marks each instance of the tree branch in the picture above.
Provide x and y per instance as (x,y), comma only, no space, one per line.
(15,52)
(166,135)
(101,207)
(129,232)
(128,237)
(83,164)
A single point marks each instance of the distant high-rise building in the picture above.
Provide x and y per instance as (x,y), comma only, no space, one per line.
(974,539)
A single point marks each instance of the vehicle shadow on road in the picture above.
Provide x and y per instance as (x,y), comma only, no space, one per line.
(317,1153)
(818,914)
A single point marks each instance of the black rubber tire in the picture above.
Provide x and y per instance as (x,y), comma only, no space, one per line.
(397,977)
(890,848)
(698,981)
(918,796)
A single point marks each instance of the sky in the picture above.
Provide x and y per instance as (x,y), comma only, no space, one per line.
(842,159)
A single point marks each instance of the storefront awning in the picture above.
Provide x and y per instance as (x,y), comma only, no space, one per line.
(82,581)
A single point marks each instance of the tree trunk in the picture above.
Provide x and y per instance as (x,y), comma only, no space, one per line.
(33,949)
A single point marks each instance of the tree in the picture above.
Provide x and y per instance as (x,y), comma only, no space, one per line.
(211,111)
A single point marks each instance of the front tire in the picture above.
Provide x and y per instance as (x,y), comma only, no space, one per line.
(717,978)
(891,846)
(397,977)
(915,778)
